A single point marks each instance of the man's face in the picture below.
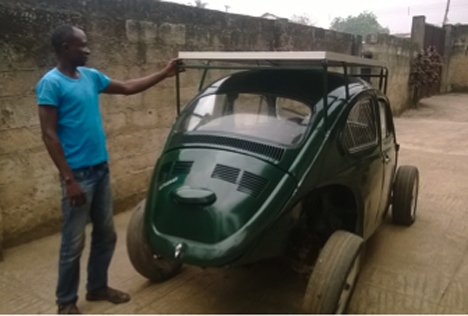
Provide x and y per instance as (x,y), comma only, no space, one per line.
(75,49)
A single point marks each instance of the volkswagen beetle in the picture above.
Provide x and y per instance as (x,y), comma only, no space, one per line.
(282,158)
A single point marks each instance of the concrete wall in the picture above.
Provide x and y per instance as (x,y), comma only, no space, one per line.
(398,54)
(128,39)
(456,76)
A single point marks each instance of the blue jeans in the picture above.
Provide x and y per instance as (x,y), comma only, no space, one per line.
(95,182)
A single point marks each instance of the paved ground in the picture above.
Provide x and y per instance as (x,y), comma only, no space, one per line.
(422,269)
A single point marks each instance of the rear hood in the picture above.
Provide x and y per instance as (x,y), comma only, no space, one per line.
(212,203)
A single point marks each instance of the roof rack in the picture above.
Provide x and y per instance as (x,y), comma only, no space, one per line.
(268,60)
(283,59)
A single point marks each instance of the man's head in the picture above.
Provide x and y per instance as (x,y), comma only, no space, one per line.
(70,44)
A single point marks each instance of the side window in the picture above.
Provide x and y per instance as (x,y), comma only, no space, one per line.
(360,130)
(384,120)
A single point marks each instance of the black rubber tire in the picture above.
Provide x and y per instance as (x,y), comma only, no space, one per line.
(140,254)
(329,277)
(407,177)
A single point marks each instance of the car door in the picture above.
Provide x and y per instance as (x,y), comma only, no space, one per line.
(389,154)
(360,139)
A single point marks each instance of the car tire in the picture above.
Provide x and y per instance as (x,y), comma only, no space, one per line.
(335,274)
(157,269)
(405,195)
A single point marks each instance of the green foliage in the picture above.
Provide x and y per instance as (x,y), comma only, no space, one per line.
(425,70)
(303,19)
(364,24)
(200,4)
(425,73)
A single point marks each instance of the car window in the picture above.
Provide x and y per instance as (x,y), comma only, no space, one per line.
(385,123)
(263,116)
(360,130)
(250,103)
(384,120)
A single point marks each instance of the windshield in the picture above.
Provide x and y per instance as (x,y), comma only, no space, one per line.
(262,116)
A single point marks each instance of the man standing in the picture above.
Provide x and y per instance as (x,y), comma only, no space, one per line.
(73,133)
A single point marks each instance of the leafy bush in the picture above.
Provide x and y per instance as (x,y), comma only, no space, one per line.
(425,73)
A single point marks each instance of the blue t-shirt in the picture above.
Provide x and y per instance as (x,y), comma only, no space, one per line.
(80,127)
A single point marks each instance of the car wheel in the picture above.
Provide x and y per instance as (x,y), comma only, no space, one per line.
(405,195)
(151,266)
(335,275)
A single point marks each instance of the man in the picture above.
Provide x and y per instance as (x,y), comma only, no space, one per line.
(73,133)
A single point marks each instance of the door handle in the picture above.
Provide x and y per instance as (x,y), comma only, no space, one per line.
(387,158)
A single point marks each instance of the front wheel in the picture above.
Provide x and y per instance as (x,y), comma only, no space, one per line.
(150,266)
(335,275)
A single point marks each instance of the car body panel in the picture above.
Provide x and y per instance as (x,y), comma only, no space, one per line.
(214,234)
(241,227)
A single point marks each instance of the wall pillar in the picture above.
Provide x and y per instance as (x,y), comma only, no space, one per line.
(357,45)
(445,87)
(418,31)
(356,50)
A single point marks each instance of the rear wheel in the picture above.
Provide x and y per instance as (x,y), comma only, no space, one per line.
(405,195)
(150,266)
(335,275)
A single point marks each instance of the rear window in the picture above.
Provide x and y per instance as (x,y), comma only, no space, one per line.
(263,116)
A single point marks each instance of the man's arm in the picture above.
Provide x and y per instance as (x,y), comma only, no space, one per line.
(141,84)
(48,116)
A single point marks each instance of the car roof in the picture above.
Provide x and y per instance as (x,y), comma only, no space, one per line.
(304,85)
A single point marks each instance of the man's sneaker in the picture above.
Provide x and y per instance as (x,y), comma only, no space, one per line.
(68,309)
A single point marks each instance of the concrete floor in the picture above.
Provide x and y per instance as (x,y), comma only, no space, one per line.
(421,269)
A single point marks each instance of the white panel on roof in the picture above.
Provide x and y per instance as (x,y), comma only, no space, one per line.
(284,59)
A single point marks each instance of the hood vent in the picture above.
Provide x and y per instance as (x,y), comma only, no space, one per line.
(269,151)
(182,167)
(252,184)
(226,173)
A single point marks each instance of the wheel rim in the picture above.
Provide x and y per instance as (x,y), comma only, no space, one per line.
(414,197)
(349,285)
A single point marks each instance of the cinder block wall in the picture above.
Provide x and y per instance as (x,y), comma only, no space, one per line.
(397,54)
(128,39)
(457,74)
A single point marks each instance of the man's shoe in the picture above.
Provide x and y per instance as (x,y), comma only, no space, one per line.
(108,294)
(68,309)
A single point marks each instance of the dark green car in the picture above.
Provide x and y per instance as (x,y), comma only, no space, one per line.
(282,158)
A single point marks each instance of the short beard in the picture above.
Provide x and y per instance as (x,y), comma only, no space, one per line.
(80,63)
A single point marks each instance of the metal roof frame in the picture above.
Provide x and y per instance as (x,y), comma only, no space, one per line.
(281,61)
